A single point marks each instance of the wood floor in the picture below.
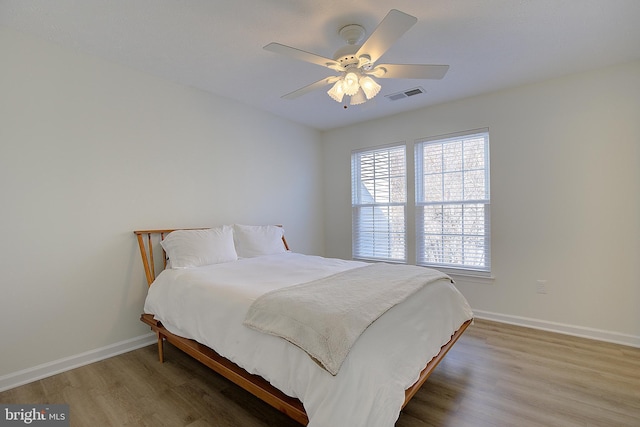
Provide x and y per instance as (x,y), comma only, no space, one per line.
(496,375)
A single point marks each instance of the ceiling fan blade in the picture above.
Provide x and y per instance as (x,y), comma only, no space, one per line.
(310,88)
(292,52)
(392,27)
(410,71)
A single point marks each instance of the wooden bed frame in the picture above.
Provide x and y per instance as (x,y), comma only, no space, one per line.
(252,383)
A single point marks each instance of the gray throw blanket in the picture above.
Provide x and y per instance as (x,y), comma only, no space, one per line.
(325,317)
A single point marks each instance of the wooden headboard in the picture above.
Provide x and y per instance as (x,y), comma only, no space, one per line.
(148,238)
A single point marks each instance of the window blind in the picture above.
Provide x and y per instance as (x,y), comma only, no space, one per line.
(453,201)
(378,200)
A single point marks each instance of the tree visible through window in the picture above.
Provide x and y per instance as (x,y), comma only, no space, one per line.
(452,201)
(378,200)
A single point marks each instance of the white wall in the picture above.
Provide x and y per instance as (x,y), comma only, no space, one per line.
(565,185)
(90,151)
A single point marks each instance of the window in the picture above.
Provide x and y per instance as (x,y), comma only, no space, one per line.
(378,201)
(452,201)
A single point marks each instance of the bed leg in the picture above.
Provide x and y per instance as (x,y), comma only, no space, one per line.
(161,347)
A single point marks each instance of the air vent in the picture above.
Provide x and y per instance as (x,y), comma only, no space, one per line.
(405,94)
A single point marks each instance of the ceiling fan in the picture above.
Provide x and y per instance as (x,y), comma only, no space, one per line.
(356,62)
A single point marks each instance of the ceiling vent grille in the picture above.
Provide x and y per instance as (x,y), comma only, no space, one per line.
(405,94)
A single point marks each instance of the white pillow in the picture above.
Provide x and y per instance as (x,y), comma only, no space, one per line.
(195,248)
(255,240)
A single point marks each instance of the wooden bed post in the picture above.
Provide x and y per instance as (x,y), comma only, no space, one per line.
(146,252)
(145,259)
(161,347)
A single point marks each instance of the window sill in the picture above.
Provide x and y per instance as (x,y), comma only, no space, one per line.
(468,276)
(471,277)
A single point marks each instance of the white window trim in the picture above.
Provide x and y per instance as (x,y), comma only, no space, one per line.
(404,204)
(463,271)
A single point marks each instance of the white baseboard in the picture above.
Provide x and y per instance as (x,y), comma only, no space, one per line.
(577,331)
(28,375)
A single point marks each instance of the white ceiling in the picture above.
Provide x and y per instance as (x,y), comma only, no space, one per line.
(216,45)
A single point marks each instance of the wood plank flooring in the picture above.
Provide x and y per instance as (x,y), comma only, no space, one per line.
(496,375)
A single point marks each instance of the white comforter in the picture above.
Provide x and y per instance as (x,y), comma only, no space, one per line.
(209,304)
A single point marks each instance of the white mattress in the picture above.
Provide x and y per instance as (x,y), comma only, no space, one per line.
(209,304)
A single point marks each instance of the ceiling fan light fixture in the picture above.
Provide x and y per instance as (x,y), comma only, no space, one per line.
(355,62)
(336,92)
(350,83)
(358,98)
(369,86)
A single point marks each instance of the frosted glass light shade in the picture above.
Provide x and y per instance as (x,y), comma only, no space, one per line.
(350,84)
(337,91)
(369,86)
(358,98)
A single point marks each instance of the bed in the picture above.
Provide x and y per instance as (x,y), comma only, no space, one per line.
(201,305)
